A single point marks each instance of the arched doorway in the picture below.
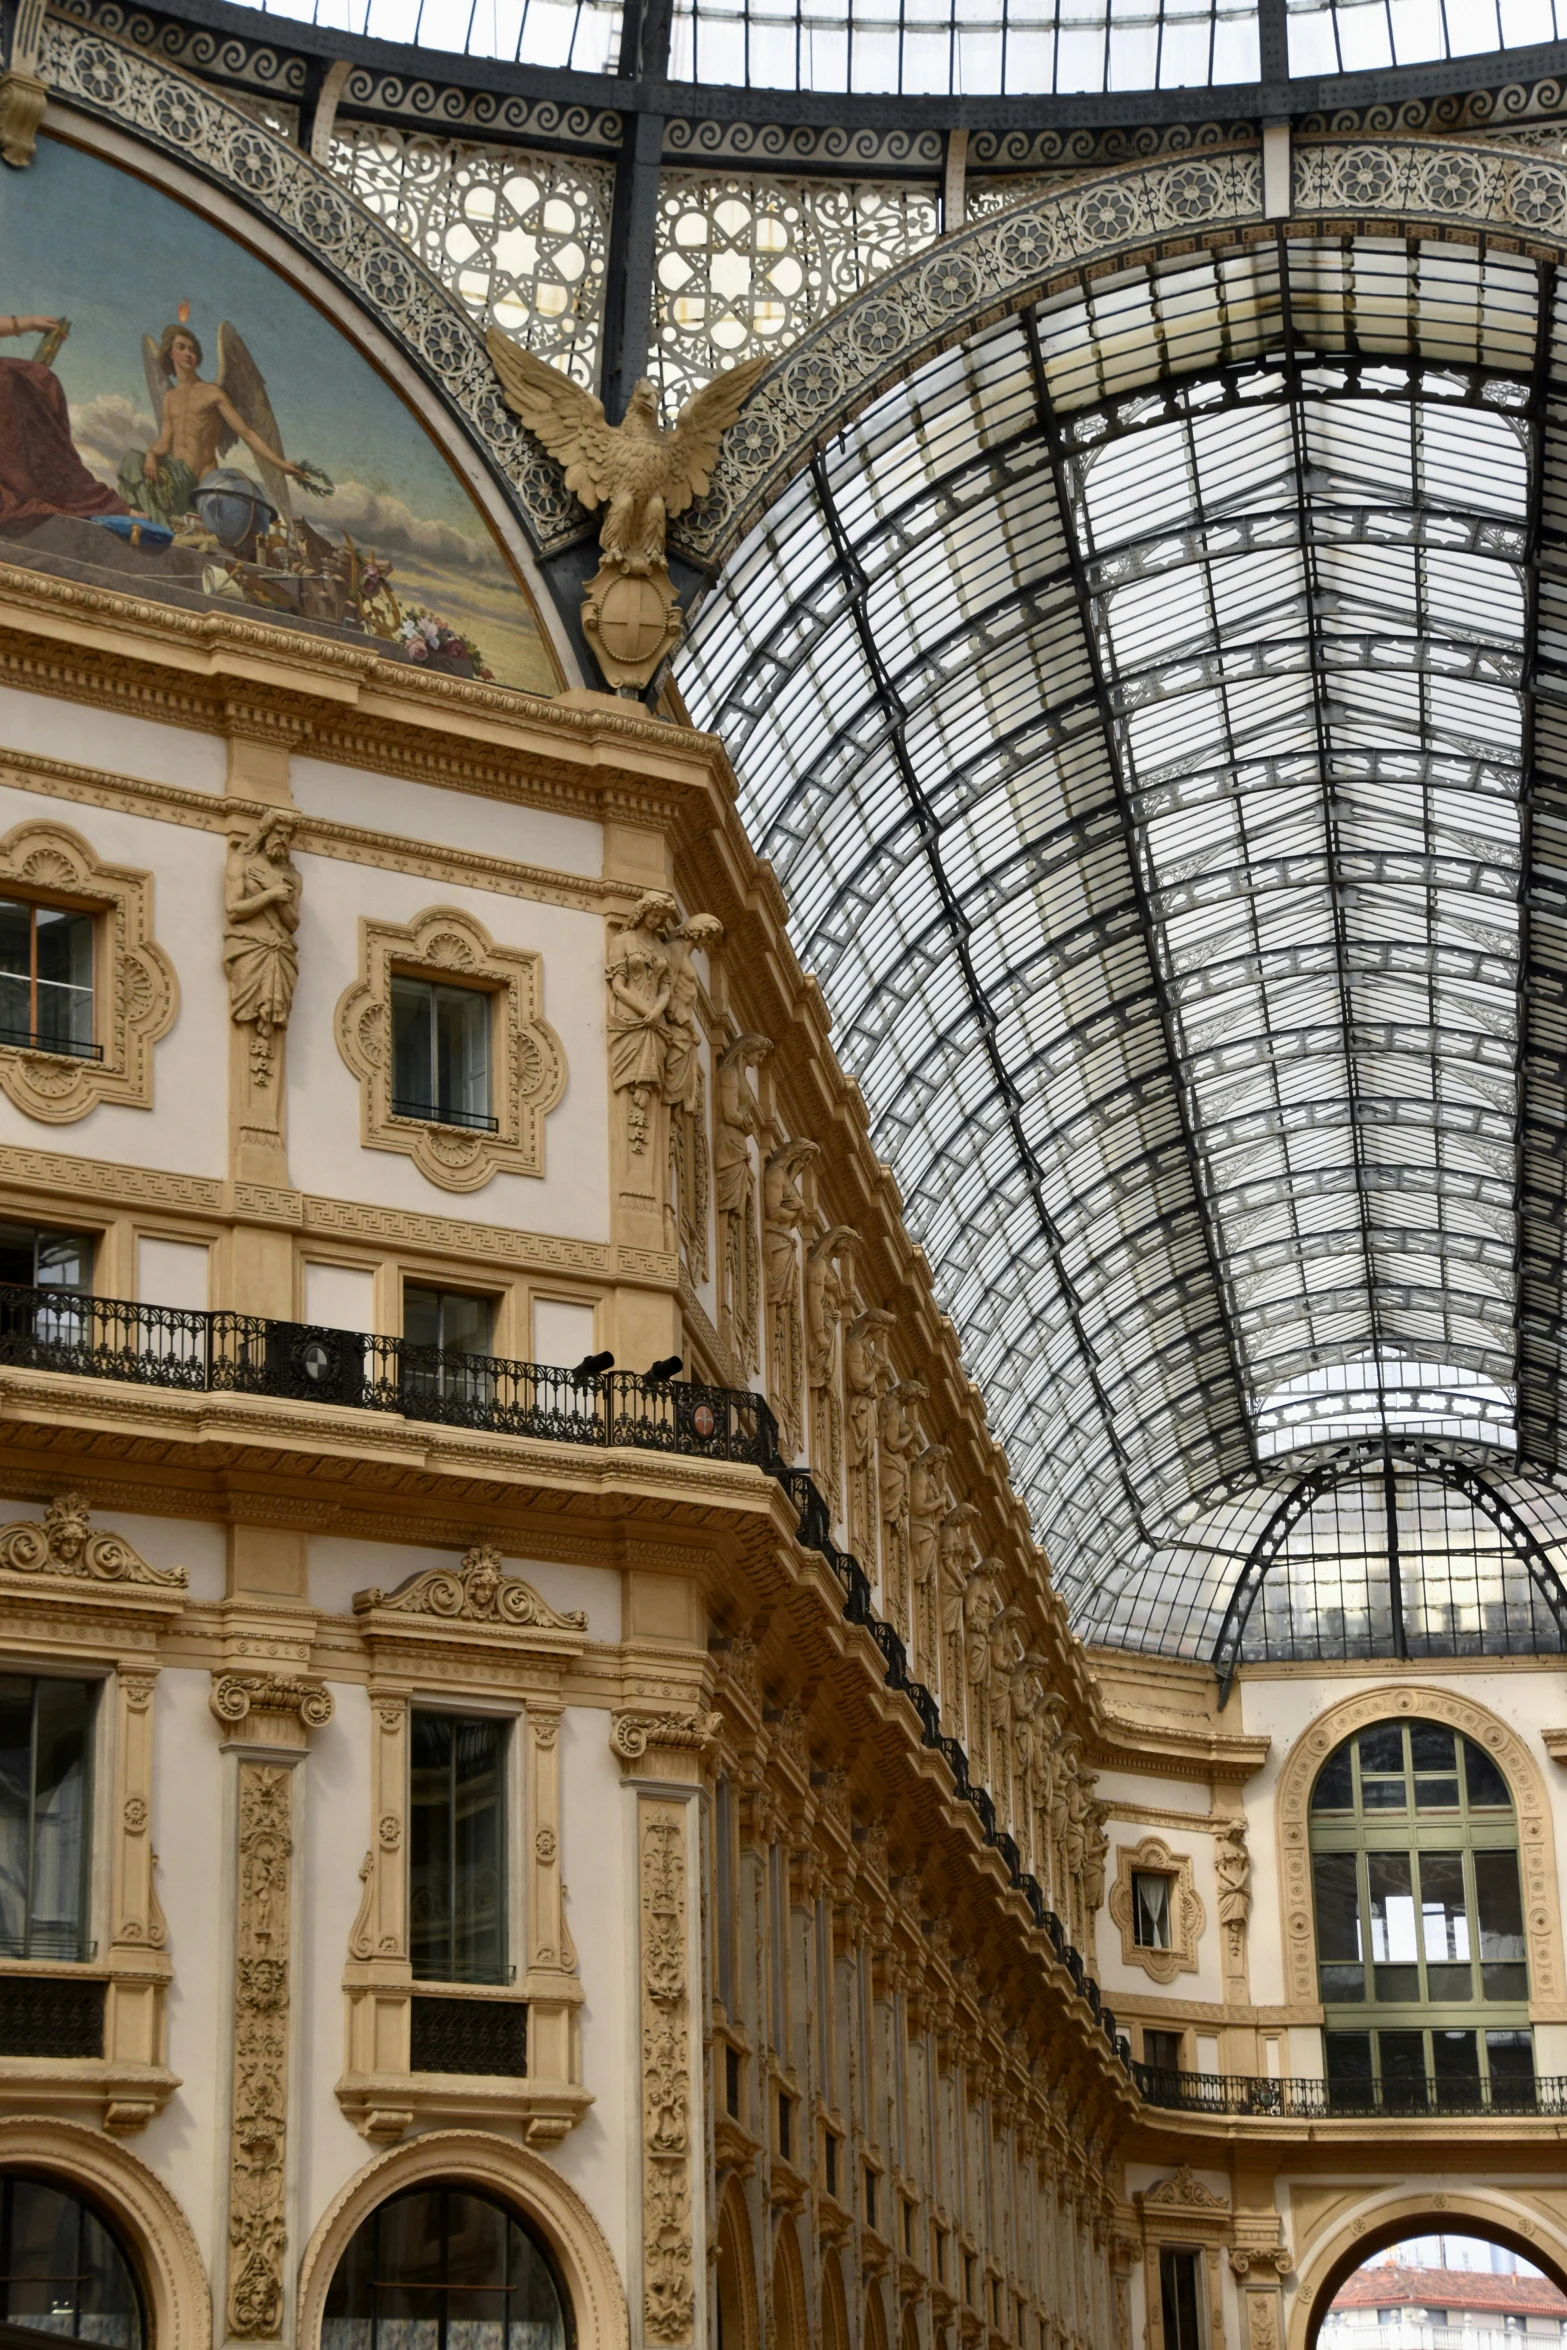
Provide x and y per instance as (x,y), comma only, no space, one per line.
(463,2263)
(789,2321)
(835,2308)
(1516,2223)
(736,2280)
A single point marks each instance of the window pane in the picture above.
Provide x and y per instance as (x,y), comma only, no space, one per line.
(462,1050)
(1431,1747)
(1335,1787)
(465,1323)
(1433,1794)
(16,994)
(1382,1749)
(1499,1904)
(1455,2061)
(1401,2057)
(63,1713)
(413,1042)
(64,976)
(1348,2056)
(1162,2050)
(1488,1790)
(1444,1917)
(1150,1911)
(478,1853)
(1178,2296)
(1509,2059)
(16,1768)
(421,1315)
(429,1849)
(64,1260)
(1391,1884)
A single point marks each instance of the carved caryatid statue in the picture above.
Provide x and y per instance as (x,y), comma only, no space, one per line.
(829,1289)
(736,1120)
(261,914)
(783,1214)
(640,987)
(927,1508)
(685,1094)
(864,1374)
(642,476)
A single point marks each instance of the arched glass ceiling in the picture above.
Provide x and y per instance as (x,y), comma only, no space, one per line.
(1134,704)
(955,48)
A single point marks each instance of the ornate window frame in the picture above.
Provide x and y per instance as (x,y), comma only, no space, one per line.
(1536,1834)
(87,1601)
(529,1061)
(1188,1917)
(465,1631)
(136,995)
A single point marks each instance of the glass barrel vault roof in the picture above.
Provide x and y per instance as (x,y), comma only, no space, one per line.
(1135,705)
(955,48)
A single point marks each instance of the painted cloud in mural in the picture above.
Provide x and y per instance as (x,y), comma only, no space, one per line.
(175,415)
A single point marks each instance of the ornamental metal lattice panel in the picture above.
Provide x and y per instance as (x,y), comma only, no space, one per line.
(470,2036)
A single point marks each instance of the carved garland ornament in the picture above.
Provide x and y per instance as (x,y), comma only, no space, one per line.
(136,994)
(528,1062)
(668,2272)
(259,2125)
(1188,1917)
(1536,1852)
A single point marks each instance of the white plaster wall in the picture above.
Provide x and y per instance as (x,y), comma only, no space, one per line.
(341,1565)
(334,1825)
(325,1153)
(448,819)
(1284,1709)
(189,1830)
(1138,1792)
(163,1542)
(601,1914)
(110,740)
(187,1126)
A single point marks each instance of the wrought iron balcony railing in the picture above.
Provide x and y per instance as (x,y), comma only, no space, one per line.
(1242,2094)
(243,1354)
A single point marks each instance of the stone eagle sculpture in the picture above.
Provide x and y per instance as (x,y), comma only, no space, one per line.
(640,473)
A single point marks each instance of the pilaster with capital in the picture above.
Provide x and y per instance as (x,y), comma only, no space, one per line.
(267,1719)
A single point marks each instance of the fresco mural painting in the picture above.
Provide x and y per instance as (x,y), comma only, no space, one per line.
(177,416)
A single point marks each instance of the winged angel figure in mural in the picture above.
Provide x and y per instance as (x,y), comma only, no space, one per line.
(641,475)
(199,421)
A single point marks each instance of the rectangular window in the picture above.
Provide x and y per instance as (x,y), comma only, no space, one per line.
(732,2082)
(830,2152)
(785,2127)
(457,1324)
(46,978)
(1382,1768)
(1162,2050)
(1178,2300)
(457,1849)
(45,1734)
(36,1258)
(1455,2061)
(1444,1926)
(1504,1969)
(870,2198)
(1150,1910)
(441,1053)
(1341,1972)
(1390,1881)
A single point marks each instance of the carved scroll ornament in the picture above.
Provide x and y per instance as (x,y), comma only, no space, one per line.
(631,1734)
(61,1544)
(477,1592)
(237,1696)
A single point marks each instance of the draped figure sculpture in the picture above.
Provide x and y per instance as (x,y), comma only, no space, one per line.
(261,892)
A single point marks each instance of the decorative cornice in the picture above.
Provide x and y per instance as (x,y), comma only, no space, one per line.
(477,1592)
(59,1544)
(1185,2190)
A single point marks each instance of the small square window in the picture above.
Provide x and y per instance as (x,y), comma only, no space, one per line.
(441,1039)
(1150,1910)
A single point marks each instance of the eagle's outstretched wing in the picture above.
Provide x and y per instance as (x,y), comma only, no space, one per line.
(702,423)
(242,380)
(568,420)
(157,381)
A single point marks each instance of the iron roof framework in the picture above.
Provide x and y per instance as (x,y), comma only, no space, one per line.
(1150,709)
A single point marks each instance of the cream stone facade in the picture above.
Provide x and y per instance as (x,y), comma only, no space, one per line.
(871,1950)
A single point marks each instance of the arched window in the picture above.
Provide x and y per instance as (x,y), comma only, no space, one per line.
(1421,1961)
(60,2268)
(440,2268)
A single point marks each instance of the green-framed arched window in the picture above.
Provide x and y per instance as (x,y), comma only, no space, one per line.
(1422,1966)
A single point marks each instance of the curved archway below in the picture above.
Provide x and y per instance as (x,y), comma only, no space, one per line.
(473,2158)
(735,2283)
(1515,2224)
(150,2224)
(789,2330)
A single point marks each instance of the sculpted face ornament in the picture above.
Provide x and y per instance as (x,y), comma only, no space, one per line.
(642,476)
